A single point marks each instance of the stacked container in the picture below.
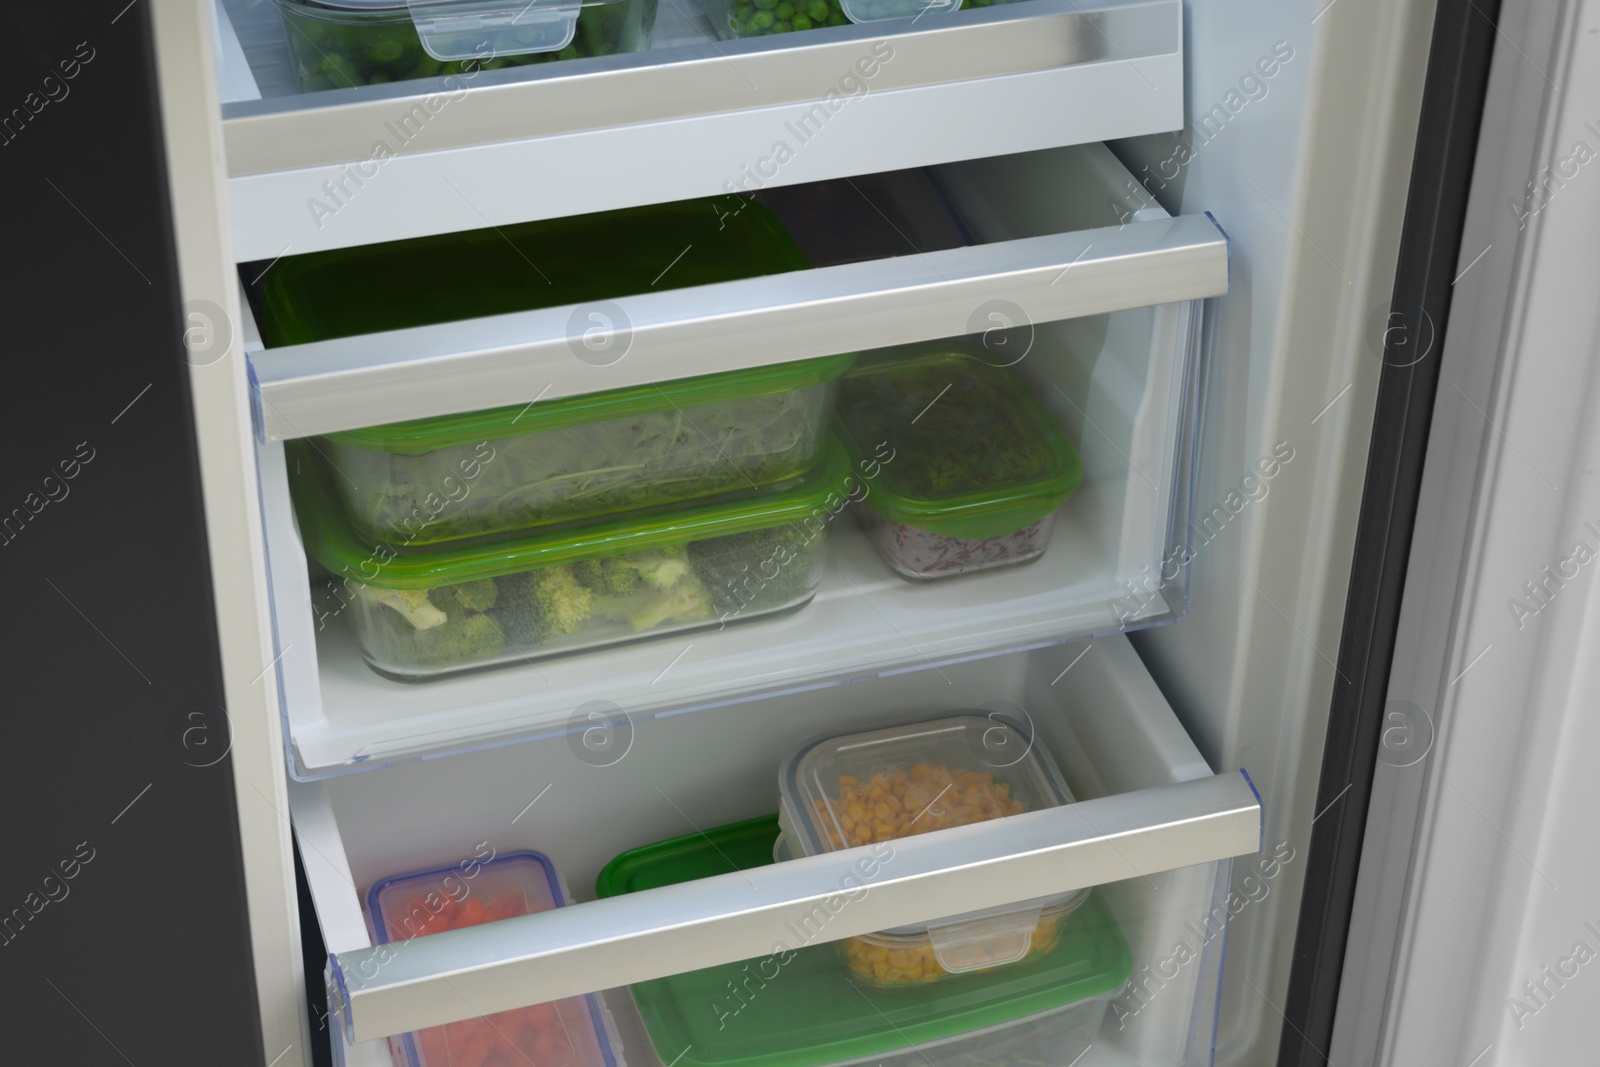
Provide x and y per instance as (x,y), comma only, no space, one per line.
(539,528)
(801,1007)
(867,788)
(972,467)
(574,1032)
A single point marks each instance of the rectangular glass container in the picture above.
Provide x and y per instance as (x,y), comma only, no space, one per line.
(423,612)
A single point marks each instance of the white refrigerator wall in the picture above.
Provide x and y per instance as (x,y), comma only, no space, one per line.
(1302,120)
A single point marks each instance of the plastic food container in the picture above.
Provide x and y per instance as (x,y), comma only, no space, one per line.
(881,785)
(563,1033)
(755,18)
(339,44)
(637,449)
(423,612)
(797,1008)
(976,466)
(437,479)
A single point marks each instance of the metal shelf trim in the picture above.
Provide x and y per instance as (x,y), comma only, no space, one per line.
(391,989)
(387,377)
(339,126)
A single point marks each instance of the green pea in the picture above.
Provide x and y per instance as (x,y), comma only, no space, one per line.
(569,52)
(818,10)
(837,18)
(781,27)
(427,67)
(800,22)
(387,50)
(784,11)
(763,20)
(341,71)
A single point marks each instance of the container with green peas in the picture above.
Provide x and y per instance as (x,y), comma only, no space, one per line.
(756,18)
(339,44)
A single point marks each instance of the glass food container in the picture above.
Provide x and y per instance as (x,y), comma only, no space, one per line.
(977,467)
(797,1008)
(755,18)
(571,458)
(340,44)
(881,785)
(422,612)
(564,1033)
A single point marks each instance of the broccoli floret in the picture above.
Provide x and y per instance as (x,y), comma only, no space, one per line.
(537,605)
(476,595)
(608,577)
(661,567)
(465,637)
(412,605)
(756,570)
(686,601)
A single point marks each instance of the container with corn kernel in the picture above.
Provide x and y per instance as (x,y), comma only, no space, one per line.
(879,785)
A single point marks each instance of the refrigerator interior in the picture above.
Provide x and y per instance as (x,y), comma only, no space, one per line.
(1305,168)
(1092,707)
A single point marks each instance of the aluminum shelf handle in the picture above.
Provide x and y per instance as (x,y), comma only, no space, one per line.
(351,382)
(461,974)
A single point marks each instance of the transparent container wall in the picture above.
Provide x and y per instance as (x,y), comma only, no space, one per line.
(546,611)
(1124,387)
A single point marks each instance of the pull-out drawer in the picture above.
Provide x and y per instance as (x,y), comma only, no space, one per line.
(708,115)
(1098,295)
(1151,824)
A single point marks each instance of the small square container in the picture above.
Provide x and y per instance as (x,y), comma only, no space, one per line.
(879,785)
(340,44)
(420,613)
(976,467)
(756,18)
(564,1033)
(437,479)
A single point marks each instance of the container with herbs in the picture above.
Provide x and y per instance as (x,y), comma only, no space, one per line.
(979,466)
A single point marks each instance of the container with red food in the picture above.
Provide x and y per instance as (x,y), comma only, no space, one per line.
(563,1033)
(968,467)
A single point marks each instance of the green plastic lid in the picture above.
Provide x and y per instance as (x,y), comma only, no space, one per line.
(799,1008)
(974,454)
(443,431)
(395,285)
(332,542)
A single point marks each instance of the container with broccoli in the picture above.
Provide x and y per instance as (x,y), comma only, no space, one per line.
(422,612)
(340,44)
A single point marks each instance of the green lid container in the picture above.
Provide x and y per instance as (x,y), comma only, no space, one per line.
(438,479)
(799,1009)
(974,454)
(394,285)
(423,611)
